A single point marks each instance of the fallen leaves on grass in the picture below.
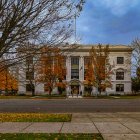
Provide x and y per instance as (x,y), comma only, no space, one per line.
(34,117)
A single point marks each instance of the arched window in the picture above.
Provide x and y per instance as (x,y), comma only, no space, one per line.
(120,74)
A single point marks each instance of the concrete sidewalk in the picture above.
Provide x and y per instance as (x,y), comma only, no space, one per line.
(112,126)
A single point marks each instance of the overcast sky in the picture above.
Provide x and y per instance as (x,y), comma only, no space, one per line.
(109,21)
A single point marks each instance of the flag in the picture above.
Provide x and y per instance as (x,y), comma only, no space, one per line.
(81,68)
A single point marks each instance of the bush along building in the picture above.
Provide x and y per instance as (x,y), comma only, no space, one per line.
(84,70)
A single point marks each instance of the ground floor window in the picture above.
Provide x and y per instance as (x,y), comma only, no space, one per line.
(102,88)
(88,89)
(28,87)
(119,87)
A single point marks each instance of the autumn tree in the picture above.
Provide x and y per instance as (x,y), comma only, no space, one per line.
(8,81)
(88,76)
(100,70)
(35,21)
(52,69)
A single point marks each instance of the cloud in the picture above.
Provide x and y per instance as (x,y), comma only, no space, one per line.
(109,21)
(117,7)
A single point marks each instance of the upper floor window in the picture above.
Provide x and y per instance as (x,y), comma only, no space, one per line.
(74,60)
(87,61)
(29,60)
(120,74)
(75,73)
(64,61)
(120,60)
(29,75)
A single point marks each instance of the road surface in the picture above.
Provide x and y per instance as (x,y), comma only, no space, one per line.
(70,105)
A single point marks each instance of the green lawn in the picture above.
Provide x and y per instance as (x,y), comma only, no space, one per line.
(53,96)
(63,97)
(14,97)
(42,136)
(114,97)
(98,97)
(34,117)
(127,97)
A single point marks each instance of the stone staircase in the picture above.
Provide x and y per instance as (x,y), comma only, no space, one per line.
(75,96)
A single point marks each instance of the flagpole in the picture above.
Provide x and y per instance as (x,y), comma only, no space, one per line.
(75,27)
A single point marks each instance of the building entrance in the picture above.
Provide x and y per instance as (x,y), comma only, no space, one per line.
(75,90)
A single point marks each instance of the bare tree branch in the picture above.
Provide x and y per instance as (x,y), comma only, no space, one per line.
(35,21)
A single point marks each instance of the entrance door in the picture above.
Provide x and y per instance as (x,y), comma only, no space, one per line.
(75,89)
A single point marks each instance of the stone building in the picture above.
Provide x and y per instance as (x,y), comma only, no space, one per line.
(119,56)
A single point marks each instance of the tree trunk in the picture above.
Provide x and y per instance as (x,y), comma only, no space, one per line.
(50,90)
(33,92)
(60,90)
(99,89)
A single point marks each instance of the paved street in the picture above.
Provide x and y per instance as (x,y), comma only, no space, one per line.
(112,126)
(70,105)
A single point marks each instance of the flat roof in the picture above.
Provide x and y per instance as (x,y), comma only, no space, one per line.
(86,48)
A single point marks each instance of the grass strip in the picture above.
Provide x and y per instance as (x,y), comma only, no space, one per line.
(44,136)
(34,117)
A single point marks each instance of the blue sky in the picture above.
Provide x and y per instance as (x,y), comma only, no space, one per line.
(109,21)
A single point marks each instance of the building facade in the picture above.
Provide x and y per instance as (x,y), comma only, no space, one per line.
(119,56)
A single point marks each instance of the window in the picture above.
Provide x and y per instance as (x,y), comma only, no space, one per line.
(120,60)
(29,60)
(120,74)
(64,77)
(74,60)
(88,88)
(103,87)
(119,87)
(29,75)
(75,73)
(85,73)
(87,61)
(46,88)
(101,60)
(64,61)
(28,87)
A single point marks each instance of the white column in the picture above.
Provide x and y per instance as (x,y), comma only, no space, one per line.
(68,66)
(68,90)
(81,68)
(82,88)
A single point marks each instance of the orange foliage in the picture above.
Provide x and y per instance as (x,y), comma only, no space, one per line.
(89,76)
(61,84)
(7,81)
(99,70)
(51,69)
